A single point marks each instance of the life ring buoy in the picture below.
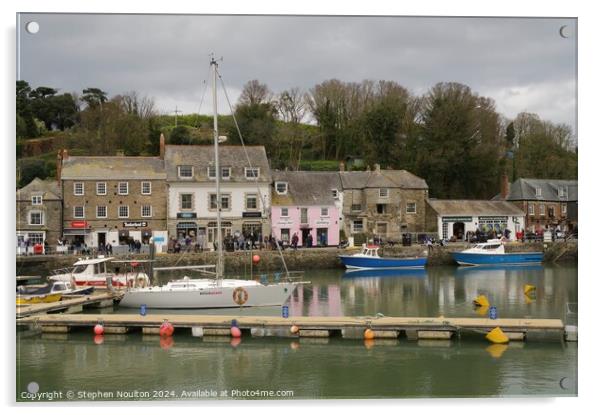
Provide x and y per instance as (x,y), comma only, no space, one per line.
(240,295)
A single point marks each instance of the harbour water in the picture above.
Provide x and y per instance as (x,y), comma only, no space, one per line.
(135,367)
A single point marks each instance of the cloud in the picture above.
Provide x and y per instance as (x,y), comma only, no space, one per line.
(522,63)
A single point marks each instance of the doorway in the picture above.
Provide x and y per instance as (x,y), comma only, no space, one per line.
(304,234)
(102,239)
(322,235)
(458,230)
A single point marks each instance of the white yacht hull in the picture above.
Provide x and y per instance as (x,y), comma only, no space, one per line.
(225,296)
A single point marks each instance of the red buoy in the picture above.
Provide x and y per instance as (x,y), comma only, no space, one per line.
(99,329)
(166,329)
(256,259)
(235,332)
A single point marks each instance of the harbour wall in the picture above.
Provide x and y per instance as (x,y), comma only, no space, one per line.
(302,259)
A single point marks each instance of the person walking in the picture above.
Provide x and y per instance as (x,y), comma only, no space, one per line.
(295,241)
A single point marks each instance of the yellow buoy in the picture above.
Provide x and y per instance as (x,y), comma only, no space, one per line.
(482,310)
(497,336)
(496,350)
(528,288)
(368,334)
(481,301)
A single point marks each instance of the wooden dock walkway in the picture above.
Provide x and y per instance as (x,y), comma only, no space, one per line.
(266,326)
(73,304)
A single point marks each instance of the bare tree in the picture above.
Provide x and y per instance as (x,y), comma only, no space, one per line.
(292,105)
(255,92)
(132,103)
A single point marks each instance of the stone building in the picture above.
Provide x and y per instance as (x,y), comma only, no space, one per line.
(113,199)
(547,203)
(460,219)
(39,210)
(383,203)
(306,203)
(245,191)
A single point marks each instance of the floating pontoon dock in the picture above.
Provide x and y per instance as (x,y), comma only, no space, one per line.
(266,326)
(69,304)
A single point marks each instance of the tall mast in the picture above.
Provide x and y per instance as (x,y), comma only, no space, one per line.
(220,254)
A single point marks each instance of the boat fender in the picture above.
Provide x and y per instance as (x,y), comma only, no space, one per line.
(256,259)
(166,329)
(368,334)
(99,329)
(497,336)
(294,329)
(235,332)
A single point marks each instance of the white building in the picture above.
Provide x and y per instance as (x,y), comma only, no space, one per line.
(457,218)
(245,191)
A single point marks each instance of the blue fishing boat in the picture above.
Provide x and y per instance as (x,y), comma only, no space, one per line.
(492,252)
(369,258)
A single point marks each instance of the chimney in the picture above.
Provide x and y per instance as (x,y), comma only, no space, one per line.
(377,167)
(505,187)
(162,146)
(342,166)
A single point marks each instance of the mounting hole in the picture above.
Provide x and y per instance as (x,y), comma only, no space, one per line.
(32,27)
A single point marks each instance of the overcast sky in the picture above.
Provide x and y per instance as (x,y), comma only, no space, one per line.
(523,64)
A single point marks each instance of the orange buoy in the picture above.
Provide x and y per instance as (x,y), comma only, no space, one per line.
(368,334)
(235,332)
(294,329)
(99,339)
(99,329)
(256,259)
(166,329)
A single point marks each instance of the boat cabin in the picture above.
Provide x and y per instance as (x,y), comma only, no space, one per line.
(492,246)
(91,266)
(370,250)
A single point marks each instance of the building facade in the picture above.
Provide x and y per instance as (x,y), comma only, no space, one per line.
(547,204)
(462,219)
(113,200)
(39,209)
(306,203)
(245,192)
(383,203)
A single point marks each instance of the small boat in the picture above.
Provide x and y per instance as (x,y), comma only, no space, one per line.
(492,252)
(93,272)
(369,258)
(38,298)
(54,287)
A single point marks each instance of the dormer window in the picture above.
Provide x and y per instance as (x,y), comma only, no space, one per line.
(211,172)
(251,173)
(185,172)
(226,173)
(36,200)
(563,191)
(281,188)
(538,192)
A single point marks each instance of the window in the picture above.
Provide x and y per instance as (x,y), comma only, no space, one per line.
(251,172)
(146,211)
(36,200)
(213,201)
(563,209)
(381,208)
(383,192)
(411,207)
(124,211)
(562,191)
(123,188)
(101,211)
(185,172)
(78,212)
(251,202)
(285,235)
(304,218)
(356,207)
(281,188)
(538,191)
(542,210)
(146,188)
(101,188)
(358,226)
(335,193)
(186,201)
(226,173)
(36,218)
(211,172)
(78,188)
(324,212)
(35,237)
(531,210)
(284,212)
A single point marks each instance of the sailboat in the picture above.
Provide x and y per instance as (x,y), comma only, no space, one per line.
(217,292)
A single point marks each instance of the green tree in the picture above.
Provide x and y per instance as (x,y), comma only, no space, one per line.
(94,97)
(180,135)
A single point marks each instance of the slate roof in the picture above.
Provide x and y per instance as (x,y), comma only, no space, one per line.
(383,178)
(49,189)
(201,157)
(524,189)
(306,188)
(474,208)
(108,168)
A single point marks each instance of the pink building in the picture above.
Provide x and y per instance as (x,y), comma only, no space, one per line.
(306,203)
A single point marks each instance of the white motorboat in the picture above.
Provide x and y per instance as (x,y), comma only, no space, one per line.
(94,272)
(215,292)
